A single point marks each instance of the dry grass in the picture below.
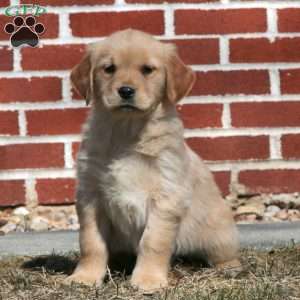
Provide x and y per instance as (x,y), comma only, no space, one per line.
(271,275)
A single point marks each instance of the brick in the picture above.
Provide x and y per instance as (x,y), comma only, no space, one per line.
(47,58)
(6,59)
(51,23)
(262,50)
(4,20)
(232,82)
(34,89)
(201,115)
(288,20)
(222,179)
(191,21)
(67,2)
(231,148)
(12,193)
(55,121)
(56,191)
(290,146)
(198,51)
(24,156)
(271,181)
(170,1)
(75,149)
(9,122)
(4,3)
(289,81)
(265,114)
(105,23)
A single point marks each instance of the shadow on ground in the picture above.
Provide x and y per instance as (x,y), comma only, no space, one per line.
(53,263)
(122,264)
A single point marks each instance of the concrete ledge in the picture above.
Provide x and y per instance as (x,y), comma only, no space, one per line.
(266,236)
(256,236)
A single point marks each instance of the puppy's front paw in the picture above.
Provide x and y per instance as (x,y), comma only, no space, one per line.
(149,282)
(84,278)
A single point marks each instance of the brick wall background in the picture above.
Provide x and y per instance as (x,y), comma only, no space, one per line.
(242,117)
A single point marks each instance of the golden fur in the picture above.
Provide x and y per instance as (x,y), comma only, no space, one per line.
(140,188)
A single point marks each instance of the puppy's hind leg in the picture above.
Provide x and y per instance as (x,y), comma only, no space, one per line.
(91,268)
(216,241)
(222,250)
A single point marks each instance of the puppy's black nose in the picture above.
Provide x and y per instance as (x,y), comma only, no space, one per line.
(126,92)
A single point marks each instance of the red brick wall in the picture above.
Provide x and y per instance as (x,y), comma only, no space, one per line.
(242,116)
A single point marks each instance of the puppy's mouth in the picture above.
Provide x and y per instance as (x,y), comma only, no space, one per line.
(128,108)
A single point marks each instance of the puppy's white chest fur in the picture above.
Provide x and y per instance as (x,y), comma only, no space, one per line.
(127,189)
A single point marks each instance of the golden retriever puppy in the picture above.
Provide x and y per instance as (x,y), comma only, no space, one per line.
(140,187)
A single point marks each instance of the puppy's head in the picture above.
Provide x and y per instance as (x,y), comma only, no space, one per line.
(131,73)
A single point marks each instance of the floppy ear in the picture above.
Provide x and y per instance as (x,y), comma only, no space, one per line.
(180,78)
(82,79)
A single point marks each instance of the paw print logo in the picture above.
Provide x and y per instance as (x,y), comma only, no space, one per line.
(24,31)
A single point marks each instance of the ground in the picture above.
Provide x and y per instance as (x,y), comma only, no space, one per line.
(273,275)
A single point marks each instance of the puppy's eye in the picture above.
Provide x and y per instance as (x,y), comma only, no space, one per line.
(110,69)
(146,70)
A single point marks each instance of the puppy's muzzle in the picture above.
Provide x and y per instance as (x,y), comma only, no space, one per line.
(127,94)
